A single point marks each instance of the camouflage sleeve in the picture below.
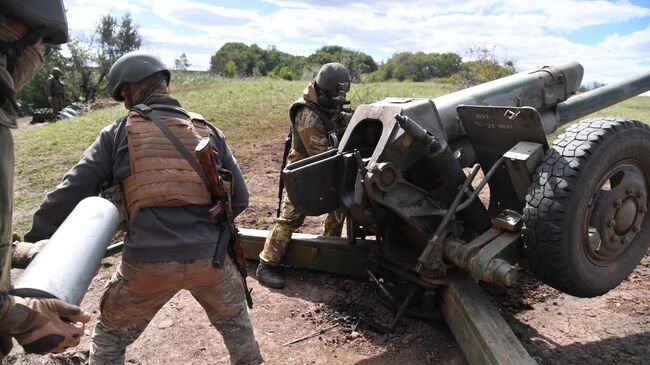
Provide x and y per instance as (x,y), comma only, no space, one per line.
(311,130)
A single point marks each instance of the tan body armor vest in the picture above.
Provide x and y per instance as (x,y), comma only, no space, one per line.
(160,176)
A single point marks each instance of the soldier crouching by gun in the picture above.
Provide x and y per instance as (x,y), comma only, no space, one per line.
(170,244)
(318,120)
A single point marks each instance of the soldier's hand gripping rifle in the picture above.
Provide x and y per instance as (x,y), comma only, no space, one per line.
(221,211)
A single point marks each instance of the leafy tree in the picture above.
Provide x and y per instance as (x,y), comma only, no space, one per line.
(182,63)
(419,66)
(81,70)
(113,40)
(87,67)
(230,70)
(245,58)
(483,69)
(357,63)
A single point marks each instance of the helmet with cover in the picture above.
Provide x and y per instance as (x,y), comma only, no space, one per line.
(333,77)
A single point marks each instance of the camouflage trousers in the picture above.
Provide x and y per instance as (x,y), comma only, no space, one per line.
(138,290)
(290,220)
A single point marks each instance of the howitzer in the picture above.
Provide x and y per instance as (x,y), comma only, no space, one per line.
(221,212)
(574,213)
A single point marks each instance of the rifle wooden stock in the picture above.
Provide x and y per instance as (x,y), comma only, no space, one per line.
(206,159)
(221,212)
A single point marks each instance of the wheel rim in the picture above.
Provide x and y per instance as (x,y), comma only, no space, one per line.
(615,213)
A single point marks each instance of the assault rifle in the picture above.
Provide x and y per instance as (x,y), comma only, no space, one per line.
(285,154)
(222,212)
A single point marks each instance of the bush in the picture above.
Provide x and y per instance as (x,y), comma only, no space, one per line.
(230,70)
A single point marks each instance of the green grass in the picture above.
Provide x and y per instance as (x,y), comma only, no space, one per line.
(636,109)
(245,110)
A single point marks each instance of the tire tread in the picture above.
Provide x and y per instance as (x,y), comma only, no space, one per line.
(554,183)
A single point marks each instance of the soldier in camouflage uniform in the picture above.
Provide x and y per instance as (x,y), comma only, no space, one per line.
(39,325)
(170,241)
(55,91)
(316,123)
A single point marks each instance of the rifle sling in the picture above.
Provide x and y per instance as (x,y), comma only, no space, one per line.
(148,113)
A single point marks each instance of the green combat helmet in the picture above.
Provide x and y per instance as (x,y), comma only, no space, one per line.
(133,67)
(57,72)
(43,18)
(333,77)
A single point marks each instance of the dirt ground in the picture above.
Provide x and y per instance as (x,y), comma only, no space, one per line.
(555,328)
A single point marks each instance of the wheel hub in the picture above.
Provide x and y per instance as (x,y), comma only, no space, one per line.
(618,209)
(625,216)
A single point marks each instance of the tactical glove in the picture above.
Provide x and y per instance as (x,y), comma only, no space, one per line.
(43,325)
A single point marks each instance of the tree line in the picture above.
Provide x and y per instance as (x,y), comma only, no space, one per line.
(89,58)
(236,59)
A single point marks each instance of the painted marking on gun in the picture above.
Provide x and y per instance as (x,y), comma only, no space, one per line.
(492,125)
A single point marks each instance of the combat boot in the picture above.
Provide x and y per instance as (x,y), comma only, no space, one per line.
(269,276)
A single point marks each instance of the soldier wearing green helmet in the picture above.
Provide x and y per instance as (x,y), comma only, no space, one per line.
(170,241)
(55,91)
(39,325)
(317,123)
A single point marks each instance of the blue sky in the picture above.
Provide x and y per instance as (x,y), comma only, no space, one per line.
(611,38)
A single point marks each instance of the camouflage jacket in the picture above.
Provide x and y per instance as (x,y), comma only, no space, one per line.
(310,125)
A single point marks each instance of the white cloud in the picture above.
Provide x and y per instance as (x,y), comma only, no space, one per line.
(196,14)
(576,15)
(637,41)
(531,33)
(83,15)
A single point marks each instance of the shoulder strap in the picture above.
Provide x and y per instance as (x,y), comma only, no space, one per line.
(148,113)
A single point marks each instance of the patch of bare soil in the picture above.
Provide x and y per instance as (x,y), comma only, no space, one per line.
(24,124)
(103,103)
(555,328)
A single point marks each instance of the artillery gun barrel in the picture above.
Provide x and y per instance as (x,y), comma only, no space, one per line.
(541,89)
(67,264)
(550,90)
(586,103)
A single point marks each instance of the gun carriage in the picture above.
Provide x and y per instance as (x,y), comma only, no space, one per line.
(572,212)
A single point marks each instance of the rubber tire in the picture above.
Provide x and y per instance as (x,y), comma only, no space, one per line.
(558,197)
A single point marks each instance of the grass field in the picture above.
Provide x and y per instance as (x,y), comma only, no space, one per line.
(246,111)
